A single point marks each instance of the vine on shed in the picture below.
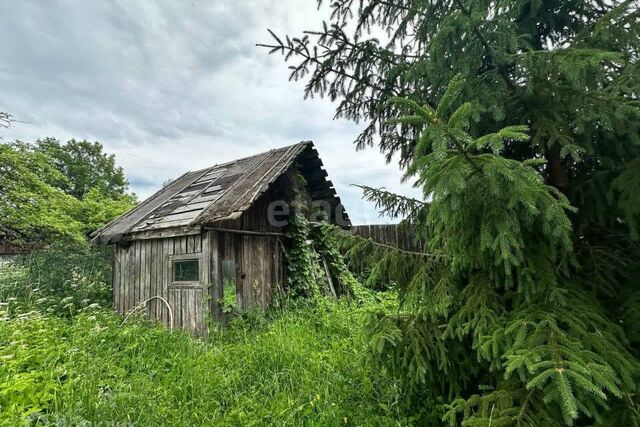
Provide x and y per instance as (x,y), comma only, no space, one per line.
(314,262)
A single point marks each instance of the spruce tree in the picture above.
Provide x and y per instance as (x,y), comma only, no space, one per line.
(520,121)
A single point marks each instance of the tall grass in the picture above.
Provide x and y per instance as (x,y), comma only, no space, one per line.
(304,366)
(59,280)
(67,359)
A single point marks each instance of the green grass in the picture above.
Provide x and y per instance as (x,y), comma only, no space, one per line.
(300,366)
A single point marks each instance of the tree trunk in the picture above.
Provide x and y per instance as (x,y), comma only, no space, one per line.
(558,175)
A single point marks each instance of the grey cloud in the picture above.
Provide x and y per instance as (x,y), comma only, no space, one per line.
(172,86)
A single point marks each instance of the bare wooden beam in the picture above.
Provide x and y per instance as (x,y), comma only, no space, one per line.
(248,232)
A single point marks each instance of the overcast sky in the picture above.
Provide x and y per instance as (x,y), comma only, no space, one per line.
(171,86)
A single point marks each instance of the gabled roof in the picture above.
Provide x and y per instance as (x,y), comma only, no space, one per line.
(219,193)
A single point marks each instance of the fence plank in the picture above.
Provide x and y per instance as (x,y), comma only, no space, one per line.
(389,234)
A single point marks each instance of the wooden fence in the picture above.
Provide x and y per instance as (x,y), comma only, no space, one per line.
(389,234)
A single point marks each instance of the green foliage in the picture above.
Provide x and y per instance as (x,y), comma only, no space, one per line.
(623,192)
(524,312)
(312,254)
(324,241)
(50,191)
(303,266)
(229,303)
(303,366)
(61,280)
(504,248)
(393,205)
(29,206)
(381,267)
(86,167)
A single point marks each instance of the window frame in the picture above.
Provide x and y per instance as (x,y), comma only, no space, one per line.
(185,257)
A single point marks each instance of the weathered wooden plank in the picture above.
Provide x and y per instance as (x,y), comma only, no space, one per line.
(205,279)
(132,276)
(390,234)
(143,265)
(180,219)
(183,244)
(217,253)
(249,260)
(115,277)
(132,273)
(187,310)
(135,268)
(131,268)
(124,278)
(132,282)
(198,315)
(158,267)
(242,293)
(177,308)
(167,249)
(184,307)
(153,272)
(172,302)
(195,205)
(232,249)
(150,287)
(139,271)
(209,197)
(263,265)
(165,233)
(193,311)
(246,255)
(202,313)
(257,272)
(275,270)
(145,281)
(198,243)
(190,244)
(175,245)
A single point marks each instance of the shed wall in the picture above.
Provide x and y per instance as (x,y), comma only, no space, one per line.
(259,267)
(142,270)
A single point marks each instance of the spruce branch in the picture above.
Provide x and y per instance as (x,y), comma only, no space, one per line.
(391,204)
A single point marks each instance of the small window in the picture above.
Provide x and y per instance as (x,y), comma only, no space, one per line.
(186,270)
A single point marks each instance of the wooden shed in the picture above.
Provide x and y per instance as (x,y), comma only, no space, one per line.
(212,229)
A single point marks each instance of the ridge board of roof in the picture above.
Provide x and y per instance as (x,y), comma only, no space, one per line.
(230,162)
